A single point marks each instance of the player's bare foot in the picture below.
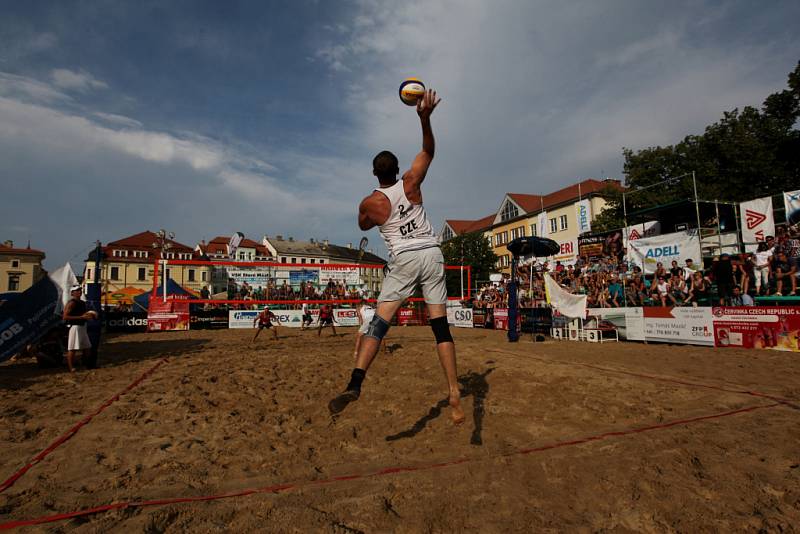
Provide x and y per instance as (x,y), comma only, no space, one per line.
(456,413)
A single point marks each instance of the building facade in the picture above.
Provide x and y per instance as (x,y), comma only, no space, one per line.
(554,215)
(20,268)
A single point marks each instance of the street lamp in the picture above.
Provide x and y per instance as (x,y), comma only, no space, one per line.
(162,244)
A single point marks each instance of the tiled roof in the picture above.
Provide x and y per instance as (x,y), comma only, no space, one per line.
(20,251)
(533,203)
(145,240)
(335,252)
(463,227)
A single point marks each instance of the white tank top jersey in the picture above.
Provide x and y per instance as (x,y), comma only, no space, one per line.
(407,227)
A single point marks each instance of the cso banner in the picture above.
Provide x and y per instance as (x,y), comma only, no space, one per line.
(686,326)
(757,221)
(758,327)
(648,252)
(459,316)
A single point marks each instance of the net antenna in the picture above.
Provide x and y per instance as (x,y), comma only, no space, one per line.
(234,242)
(362,246)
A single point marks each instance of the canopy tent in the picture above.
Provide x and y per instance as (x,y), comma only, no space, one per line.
(125,295)
(142,302)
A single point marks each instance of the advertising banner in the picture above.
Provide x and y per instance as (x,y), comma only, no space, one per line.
(791,201)
(297,278)
(501,318)
(345,317)
(648,252)
(287,318)
(583,212)
(758,327)
(459,316)
(629,321)
(125,321)
(686,326)
(169,315)
(256,277)
(638,231)
(208,319)
(28,317)
(757,221)
(568,253)
(599,245)
(337,274)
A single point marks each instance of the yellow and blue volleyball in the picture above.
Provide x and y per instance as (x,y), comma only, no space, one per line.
(411,90)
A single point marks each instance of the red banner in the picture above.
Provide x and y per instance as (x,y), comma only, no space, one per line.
(501,318)
(410,317)
(169,315)
(757,327)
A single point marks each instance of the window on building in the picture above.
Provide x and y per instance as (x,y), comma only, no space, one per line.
(115,273)
(141,274)
(533,230)
(191,275)
(509,211)
(13,282)
(553,225)
(89,274)
(322,261)
(562,221)
(203,275)
(15,264)
(518,232)
(313,260)
(294,260)
(302,260)
(283,259)
(447,234)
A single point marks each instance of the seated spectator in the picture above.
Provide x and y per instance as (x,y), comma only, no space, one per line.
(723,277)
(739,298)
(677,287)
(675,270)
(783,272)
(615,293)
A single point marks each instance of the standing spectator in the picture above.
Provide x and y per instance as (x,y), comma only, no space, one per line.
(75,315)
(762,259)
(783,272)
(723,277)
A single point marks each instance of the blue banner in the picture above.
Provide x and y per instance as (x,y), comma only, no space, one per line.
(301,277)
(27,318)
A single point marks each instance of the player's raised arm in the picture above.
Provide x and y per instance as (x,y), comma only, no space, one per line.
(419,168)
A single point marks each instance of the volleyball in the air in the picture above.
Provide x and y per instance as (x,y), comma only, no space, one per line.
(411,90)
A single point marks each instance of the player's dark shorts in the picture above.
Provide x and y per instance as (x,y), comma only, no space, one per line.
(326,320)
(307,318)
(264,325)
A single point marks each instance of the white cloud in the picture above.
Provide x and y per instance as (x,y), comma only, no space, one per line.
(77,81)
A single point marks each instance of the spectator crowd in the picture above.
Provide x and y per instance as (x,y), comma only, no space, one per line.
(610,282)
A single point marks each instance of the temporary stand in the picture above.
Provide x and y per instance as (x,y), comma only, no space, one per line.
(540,247)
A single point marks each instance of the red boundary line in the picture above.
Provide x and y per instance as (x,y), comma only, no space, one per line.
(74,430)
(781,400)
(280,488)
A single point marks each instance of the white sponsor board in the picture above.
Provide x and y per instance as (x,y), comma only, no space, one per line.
(629,321)
(345,317)
(757,221)
(242,318)
(638,231)
(567,254)
(583,212)
(257,278)
(687,326)
(337,274)
(459,316)
(648,252)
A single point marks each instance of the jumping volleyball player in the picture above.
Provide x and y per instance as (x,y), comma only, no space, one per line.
(416,260)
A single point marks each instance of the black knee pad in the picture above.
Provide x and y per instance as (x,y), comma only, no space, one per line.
(377,328)
(441,330)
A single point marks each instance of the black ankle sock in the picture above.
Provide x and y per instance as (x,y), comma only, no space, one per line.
(355,379)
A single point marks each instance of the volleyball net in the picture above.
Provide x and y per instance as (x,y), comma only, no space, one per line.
(246,283)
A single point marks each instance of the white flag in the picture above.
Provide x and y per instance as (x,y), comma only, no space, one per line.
(791,201)
(565,303)
(757,221)
(544,231)
(583,211)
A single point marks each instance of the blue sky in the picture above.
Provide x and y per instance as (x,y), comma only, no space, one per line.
(206,118)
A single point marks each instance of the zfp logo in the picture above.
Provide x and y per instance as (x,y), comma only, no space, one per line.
(754,218)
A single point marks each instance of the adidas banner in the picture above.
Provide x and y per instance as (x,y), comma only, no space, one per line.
(757,221)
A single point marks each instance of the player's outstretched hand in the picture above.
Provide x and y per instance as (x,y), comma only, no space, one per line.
(427,104)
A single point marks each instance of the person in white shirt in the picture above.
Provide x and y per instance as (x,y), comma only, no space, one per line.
(762,258)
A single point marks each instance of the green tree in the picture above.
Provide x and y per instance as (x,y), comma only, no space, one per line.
(746,154)
(471,249)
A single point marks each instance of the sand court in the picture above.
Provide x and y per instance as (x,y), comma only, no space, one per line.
(558,436)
